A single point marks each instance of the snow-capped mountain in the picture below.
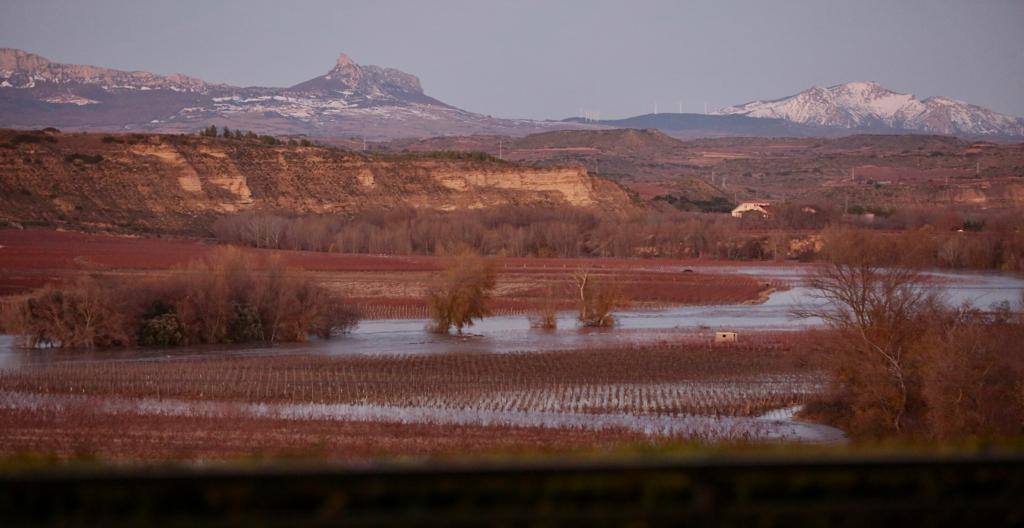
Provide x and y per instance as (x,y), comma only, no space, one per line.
(350,99)
(869,106)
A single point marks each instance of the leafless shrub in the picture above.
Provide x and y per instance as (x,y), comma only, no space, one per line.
(546,315)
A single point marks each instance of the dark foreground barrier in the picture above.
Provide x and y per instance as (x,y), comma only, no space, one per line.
(974,491)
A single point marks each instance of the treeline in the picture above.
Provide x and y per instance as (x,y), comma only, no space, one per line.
(507,230)
(227,297)
(927,247)
(227,133)
(795,232)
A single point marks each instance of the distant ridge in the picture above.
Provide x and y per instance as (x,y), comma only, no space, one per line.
(869,106)
(353,100)
(687,126)
(349,100)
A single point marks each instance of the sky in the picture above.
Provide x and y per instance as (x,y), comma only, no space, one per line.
(549,59)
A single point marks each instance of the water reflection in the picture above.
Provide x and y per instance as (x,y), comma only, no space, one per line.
(513,333)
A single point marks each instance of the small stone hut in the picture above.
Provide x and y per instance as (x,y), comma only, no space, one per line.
(726,337)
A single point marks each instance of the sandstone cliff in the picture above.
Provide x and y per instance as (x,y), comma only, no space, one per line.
(181,184)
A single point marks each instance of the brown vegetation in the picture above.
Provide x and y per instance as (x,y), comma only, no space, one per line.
(521,231)
(904,363)
(545,316)
(381,286)
(83,315)
(462,294)
(595,300)
(216,299)
(1000,248)
(794,231)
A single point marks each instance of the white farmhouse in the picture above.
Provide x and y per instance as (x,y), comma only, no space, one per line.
(760,208)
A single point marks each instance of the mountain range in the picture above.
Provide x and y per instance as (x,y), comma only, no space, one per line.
(871,107)
(844,109)
(348,100)
(384,103)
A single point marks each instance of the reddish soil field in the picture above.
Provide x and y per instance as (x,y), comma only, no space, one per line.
(105,437)
(385,286)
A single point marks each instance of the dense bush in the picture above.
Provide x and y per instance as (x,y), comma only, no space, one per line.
(86,314)
(228,297)
(717,204)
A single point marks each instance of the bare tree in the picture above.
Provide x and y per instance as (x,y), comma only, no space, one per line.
(462,294)
(595,300)
(877,313)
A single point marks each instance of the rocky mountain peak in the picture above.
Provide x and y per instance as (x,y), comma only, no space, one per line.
(23,70)
(348,99)
(361,85)
(344,61)
(19,60)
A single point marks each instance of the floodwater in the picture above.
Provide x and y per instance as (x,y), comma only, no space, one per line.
(506,334)
(513,334)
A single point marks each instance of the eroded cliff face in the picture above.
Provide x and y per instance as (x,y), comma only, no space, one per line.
(573,184)
(183,183)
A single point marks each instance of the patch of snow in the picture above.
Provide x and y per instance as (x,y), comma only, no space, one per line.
(859,104)
(70,99)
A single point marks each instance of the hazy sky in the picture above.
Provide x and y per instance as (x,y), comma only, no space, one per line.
(547,59)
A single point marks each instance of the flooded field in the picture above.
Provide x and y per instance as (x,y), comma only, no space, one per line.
(654,377)
(693,323)
(650,393)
